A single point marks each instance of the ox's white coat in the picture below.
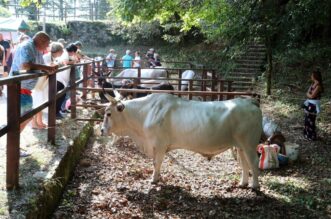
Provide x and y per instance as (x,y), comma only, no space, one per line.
(152,73)
(161,122)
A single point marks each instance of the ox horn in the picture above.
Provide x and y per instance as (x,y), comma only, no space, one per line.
(118,96)
(109,98)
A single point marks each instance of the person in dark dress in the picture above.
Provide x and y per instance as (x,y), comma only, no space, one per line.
(312,105)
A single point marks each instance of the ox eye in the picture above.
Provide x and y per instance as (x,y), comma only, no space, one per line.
(108,114)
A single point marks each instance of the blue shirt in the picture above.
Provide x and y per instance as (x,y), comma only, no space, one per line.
(127,61)
(26,52)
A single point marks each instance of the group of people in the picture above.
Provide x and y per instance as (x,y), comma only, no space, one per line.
(128,61)
(39,53)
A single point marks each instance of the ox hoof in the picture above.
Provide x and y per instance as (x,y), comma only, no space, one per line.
(243,185)
(256,187)
(154,181)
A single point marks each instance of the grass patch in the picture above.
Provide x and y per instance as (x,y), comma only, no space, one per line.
(294,191)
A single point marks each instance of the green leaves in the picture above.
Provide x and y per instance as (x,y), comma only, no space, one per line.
(4,12)
(26,3)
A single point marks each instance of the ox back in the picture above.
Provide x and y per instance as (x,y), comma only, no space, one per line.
(161,86)
(161,122)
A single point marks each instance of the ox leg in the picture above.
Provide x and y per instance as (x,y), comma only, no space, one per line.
(253,161)
(157,161)
(244,168)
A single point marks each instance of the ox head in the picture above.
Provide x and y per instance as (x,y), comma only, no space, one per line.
(111,110)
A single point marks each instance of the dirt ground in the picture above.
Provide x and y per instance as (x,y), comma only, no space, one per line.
(113,180)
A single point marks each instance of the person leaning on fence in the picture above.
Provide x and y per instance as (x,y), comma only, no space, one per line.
(6,45)
(29,56)
(110,59)
(40,91)
(127,59)
(81,57)
(62,78)
(312,106)
(137,60)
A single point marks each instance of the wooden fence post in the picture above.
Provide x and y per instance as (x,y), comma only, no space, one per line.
(190,88)
(13,136)
(203,87)
(213,83)
(72,83)
(229,96)
(51,108)
(85,68)
(220,89)
(179,81)
(139,75)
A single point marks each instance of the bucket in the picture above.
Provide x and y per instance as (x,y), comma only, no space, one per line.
(292,151)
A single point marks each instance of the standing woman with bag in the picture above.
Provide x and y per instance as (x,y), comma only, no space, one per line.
(312,106)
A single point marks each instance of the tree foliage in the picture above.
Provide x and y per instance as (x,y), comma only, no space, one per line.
(4,12)
(279,24)
(233,19)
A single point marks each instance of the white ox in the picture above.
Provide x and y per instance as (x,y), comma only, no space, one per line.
(152,73)
(159,123)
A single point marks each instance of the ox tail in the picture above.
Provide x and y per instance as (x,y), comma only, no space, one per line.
(255,100)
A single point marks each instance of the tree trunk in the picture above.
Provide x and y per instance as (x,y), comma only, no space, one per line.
(269,68)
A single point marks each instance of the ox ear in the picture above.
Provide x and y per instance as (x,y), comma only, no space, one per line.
(110,98)
(129,97)
(120,107)
(101,111)
(118,96)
